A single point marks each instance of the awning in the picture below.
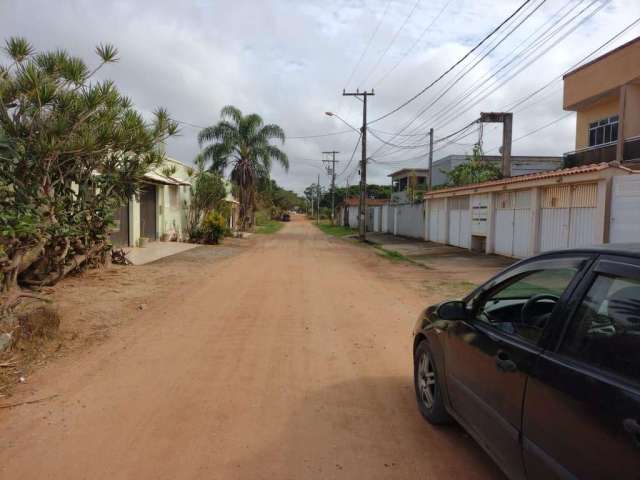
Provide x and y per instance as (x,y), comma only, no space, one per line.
(154,177)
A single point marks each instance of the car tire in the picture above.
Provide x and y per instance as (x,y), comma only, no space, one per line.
(428,386)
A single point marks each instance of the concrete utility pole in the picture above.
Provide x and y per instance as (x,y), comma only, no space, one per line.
(333,182)
(318,197)
(430,176)
(362,210)
(506,118)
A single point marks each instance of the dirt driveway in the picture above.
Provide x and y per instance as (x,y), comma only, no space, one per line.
(290,360)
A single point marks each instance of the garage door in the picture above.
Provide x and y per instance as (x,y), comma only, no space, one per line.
(513,224)
(459,222)
(625,209)
(437,221)
(567,216)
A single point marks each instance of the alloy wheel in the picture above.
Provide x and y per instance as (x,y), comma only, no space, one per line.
(426,380)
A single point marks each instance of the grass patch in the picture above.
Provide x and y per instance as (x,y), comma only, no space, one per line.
(392,255)
(269,227)
(336,230)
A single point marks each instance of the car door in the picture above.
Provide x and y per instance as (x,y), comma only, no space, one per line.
(582,409)
(490,355)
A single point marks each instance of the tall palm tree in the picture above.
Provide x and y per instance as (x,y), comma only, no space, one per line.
(243,143)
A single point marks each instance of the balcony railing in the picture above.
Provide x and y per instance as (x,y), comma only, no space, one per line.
(603,153)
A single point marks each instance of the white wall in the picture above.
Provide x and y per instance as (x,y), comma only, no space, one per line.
(410,220)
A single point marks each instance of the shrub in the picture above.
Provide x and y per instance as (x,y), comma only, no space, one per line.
(213,227)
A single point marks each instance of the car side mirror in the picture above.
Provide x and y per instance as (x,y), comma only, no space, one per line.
(453,310)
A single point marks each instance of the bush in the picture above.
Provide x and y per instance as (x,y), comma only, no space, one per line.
(213,228)
(262,217)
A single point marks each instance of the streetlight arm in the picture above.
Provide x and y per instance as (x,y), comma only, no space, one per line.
(332,114)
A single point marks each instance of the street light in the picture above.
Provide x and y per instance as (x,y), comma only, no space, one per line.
(332,114)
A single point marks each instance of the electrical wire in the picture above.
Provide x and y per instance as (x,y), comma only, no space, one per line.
(393,40)
(464,57)
(415,43)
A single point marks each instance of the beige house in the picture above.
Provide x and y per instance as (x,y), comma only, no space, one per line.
(605,94)
(160,211)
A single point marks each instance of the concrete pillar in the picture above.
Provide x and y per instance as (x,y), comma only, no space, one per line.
(491,227)
(621,120)
(427,216)
(536,204)
(603,211)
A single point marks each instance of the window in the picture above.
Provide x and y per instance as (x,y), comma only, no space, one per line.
(606,329)
(603,131)
(508,308)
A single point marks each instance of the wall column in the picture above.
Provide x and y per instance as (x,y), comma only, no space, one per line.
(491,219)
(446,220)
(621,117)
(536,202)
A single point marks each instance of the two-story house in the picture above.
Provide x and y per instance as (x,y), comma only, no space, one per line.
(605,94)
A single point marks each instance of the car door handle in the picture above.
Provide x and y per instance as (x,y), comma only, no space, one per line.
(632,427)
(504,362)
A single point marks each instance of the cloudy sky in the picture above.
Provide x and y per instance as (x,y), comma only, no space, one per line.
(289,60)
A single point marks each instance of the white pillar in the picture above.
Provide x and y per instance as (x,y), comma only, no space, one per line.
(536,202)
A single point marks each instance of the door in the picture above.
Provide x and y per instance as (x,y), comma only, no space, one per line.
(568,216)
(148,211)
(489,358)
(625,209)
(120,231)
(582,408)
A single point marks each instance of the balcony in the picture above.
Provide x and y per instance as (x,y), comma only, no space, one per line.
(603,153)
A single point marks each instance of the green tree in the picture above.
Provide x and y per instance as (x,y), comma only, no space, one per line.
(72,151)
(243,142)
(207,192)
(476,170)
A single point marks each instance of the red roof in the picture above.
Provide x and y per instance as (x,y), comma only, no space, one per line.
(594,167)
(373,202)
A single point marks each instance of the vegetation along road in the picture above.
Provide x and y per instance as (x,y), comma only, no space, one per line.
(291,359)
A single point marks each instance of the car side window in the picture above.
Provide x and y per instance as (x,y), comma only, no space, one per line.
(605,331)
(522,305)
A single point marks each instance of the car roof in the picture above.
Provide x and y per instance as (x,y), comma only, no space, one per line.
(622,249)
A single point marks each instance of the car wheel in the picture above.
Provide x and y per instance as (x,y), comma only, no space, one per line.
(428,386)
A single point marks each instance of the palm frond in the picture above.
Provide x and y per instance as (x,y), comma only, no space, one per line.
(234,113)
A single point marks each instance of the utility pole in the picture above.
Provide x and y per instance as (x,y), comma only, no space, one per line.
(506,118)
(333,182)
(429,173)
(318,197)
(362,210)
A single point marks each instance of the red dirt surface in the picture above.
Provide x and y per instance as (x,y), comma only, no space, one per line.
(290,360)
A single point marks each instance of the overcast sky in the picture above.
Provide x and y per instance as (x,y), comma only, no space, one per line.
(289,60)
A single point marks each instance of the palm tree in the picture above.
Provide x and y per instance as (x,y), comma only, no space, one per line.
(243,143)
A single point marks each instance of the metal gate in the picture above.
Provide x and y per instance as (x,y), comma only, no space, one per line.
(148,211)
(568,216)
(437,221)
(625,209)
(459,222)
(513,224)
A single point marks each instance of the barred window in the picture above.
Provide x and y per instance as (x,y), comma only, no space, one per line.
(603,131)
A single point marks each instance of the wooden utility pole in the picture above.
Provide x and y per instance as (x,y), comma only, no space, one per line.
(506,118)
(362,209)
(333,182)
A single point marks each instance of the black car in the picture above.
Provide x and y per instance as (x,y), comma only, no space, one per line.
(541,364)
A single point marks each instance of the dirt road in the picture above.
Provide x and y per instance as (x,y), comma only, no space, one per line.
(292,360)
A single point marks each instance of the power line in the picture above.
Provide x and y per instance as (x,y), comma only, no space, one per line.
(393,40)
(464,57)
(366,48)
(415,43)
(353,154)
(547,125)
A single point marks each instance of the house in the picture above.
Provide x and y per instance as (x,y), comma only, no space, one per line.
(520,165)
(528,214)
(160,211)
(605,94)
